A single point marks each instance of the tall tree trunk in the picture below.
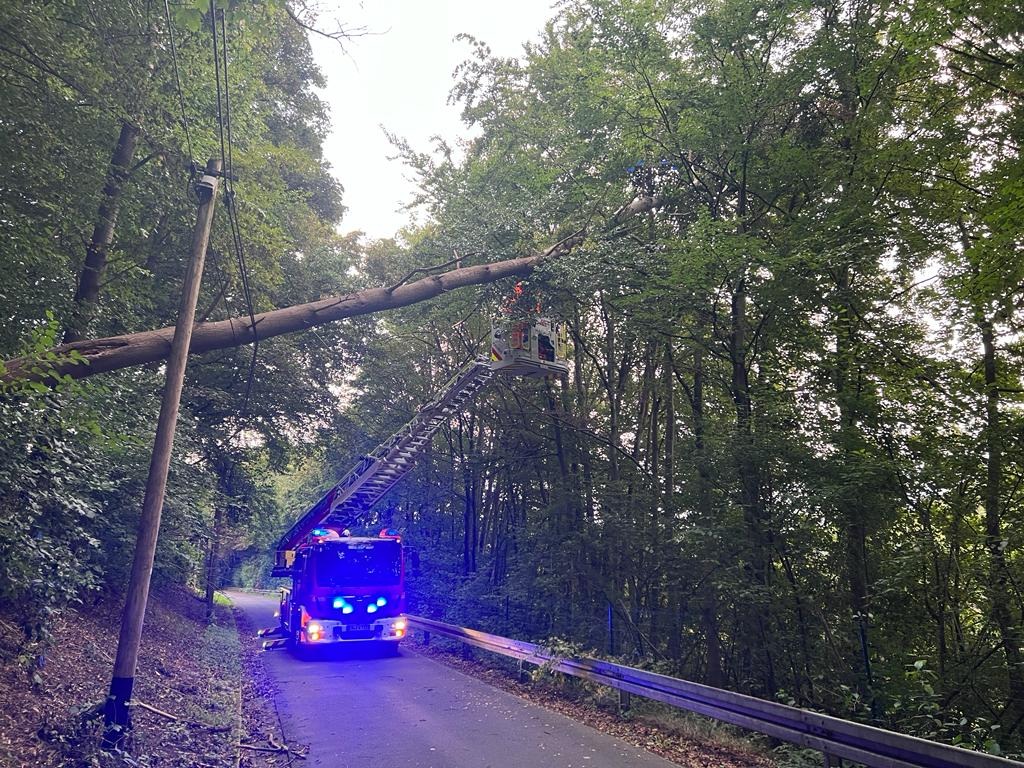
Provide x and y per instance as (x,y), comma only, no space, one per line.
(708,590)
(669,557)
(749,471)
(568,496)
(467,452)
(999,582)
(116,352)
(851,504)
(87,293)
(225,469)
(581,409)
(668,367)
(613,396)
(213,559)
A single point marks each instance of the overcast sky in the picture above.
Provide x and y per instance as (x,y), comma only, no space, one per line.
(400,79)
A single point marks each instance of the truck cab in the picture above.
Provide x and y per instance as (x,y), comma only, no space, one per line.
(345,589)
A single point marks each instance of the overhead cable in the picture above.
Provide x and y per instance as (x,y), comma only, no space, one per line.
(220,60)
(177,84)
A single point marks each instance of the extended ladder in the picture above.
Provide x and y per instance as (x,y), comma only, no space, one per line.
(389,462)
(537,349)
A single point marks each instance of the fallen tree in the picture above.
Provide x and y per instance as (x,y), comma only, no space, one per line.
(80,359)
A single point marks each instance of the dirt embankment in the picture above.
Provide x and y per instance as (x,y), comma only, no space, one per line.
(187,703)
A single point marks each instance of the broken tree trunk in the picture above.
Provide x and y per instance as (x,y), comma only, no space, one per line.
(86,358)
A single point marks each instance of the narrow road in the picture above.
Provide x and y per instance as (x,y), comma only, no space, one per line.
(356,709)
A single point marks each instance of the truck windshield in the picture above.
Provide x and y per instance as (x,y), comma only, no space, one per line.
(347,564)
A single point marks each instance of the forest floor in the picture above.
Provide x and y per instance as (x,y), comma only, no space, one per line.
(689,740)
(194,672)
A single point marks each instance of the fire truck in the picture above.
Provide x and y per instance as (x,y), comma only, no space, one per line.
(345,588)
(348,588)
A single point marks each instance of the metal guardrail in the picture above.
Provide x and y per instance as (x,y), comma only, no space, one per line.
(834,737)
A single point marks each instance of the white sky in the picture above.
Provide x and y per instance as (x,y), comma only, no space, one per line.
(400,80)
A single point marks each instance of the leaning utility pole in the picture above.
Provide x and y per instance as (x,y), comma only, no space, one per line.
(117,718)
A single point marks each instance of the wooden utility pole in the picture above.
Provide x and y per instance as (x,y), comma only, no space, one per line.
(115,712)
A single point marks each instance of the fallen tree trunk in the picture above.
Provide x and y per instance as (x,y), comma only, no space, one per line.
(86,358)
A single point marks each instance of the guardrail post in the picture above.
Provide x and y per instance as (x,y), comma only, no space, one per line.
(426,638)
(625,700)
(828,761)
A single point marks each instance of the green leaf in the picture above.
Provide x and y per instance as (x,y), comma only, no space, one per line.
(189,18)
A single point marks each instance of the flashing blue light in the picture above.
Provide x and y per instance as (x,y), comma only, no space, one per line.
(339,602)
(371,608)
(381,602)
(320,532)
(347,608)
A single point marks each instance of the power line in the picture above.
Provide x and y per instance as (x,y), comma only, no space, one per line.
(227,92)
(246,292)
(220,58)
(177,83)
(220,112)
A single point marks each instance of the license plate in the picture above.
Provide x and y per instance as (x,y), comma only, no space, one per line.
(356,627)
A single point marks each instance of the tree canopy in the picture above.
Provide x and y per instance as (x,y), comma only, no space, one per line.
(788,457)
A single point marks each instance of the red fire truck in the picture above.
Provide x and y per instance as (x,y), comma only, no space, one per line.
(345,589)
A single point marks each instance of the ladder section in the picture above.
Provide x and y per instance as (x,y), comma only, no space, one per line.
(389,462)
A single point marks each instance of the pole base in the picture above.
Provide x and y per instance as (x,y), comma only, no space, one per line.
(117,718)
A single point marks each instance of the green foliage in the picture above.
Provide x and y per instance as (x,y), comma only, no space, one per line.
(48,551)
(769,464)
(788,457)
(74,457)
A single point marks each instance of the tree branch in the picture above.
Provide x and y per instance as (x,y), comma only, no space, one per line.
(337,36)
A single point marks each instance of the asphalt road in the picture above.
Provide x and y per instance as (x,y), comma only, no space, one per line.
(359,709)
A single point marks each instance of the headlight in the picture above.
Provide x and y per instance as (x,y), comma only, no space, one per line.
(314,631)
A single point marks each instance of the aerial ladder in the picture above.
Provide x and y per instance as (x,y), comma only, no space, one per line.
(533,348)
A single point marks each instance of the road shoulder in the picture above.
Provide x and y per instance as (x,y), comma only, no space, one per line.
(670,738)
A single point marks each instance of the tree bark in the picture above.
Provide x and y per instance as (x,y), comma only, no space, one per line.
(86,358)
(213,559)
(580,408)
(87,293)
(1010,635)
(852,506)
(708,590)
(748,468)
